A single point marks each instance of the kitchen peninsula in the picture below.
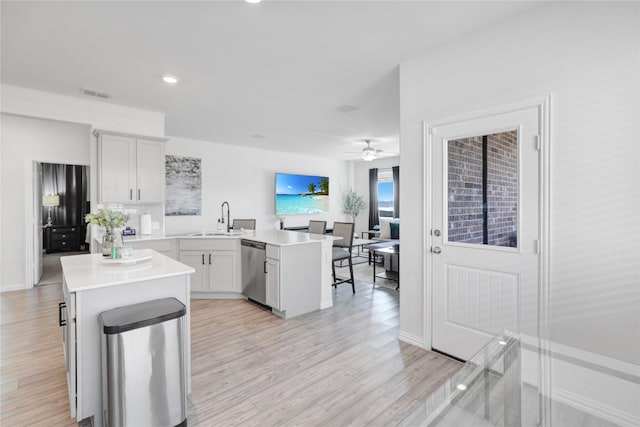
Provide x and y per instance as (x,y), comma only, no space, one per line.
(298,265)
(93,284)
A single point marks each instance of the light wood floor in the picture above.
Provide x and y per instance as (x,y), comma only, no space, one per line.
(340,366)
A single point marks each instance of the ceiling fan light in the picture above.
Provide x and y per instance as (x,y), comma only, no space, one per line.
(368,154)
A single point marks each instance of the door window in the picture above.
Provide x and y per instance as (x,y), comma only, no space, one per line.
(482,189)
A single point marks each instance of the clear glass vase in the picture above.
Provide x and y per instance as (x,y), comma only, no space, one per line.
(110,240)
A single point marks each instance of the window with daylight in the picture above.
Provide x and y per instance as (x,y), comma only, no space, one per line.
(385,193)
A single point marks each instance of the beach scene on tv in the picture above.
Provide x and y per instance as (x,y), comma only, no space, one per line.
(301,194)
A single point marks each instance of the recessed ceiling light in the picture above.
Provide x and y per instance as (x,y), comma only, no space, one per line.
(253,1)
(170,79)
(461,387)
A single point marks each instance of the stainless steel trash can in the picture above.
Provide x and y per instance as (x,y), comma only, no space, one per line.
(143,365)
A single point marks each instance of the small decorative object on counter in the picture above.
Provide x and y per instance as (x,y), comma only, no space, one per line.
(128,231)
(111,243)
(110,221)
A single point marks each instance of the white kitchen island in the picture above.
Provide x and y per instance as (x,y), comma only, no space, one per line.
(298,270)
(93,284)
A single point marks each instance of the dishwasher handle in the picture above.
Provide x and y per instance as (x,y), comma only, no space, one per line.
(253,244)
(61,321)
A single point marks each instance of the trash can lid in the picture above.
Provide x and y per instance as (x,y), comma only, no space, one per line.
(123,319)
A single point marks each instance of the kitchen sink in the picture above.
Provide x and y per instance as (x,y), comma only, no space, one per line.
(209,233)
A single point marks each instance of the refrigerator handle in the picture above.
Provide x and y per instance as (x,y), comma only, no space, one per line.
(265,266)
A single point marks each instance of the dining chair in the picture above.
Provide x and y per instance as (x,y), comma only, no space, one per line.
(317,227)
(342,250)
(247,224)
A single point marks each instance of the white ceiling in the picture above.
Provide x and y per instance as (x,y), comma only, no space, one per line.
(279,69)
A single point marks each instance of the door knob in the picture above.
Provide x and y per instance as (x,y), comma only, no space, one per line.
(436,250)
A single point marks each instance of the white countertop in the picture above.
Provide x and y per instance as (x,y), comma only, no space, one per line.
(83,272)
(286,238)
(271,237)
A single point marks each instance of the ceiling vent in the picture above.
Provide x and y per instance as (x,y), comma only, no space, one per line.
(346,108)
(97,93)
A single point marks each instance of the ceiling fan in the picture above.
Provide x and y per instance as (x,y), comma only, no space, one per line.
(369,153)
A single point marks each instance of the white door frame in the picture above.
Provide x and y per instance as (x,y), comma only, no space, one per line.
(543,105)
(30,166)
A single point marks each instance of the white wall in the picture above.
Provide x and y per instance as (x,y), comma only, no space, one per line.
(57,140)
(100,114)
(361,185)
(245,177)
(24,140)
(587,55)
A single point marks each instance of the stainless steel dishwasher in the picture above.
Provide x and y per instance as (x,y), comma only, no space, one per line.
(254,271)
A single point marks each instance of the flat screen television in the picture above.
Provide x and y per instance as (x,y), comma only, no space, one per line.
(301,194)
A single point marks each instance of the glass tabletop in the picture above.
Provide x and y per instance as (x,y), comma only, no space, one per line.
(517,380)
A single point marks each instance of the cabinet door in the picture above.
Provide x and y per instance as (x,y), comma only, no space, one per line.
(222,272)
(117,168)
(273,284)
(150,176)
(197,260)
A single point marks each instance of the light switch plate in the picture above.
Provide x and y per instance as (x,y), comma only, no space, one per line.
(155,225)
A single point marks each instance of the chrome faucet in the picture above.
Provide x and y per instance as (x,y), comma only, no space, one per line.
(228,215)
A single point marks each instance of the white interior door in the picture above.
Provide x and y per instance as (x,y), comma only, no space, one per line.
(485,229)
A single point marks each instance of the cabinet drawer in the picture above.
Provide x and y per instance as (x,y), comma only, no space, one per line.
(62,244)
(68,237)
(60,230)
(208,244)
(273,252)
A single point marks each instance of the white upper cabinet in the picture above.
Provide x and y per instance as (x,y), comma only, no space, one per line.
(131,169)
(150,172)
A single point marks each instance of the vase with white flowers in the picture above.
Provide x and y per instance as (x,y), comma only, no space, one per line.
(111,221)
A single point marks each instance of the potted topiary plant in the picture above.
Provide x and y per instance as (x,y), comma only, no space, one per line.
(353,204)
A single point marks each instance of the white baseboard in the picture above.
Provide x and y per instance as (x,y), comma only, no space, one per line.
(589,406)
(13,287)
(595,384)
(216,295)
(411,339)
(326,304)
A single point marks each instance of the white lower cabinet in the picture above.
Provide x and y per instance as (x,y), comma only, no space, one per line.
(273,284)
(293,279)
(196,260)
(215,261)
